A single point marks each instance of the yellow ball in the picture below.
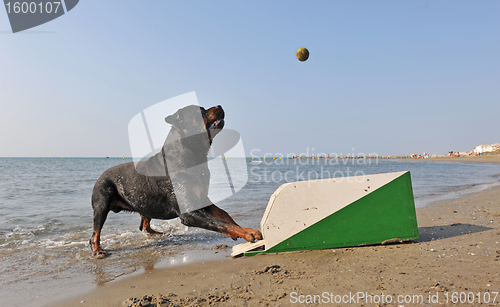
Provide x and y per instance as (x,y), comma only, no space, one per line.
(302,54)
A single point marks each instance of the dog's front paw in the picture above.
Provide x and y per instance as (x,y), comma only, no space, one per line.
(251,235)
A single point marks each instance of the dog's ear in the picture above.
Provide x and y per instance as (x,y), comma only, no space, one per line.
(172,119)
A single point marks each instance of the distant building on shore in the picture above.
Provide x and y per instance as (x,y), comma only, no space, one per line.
(486,148)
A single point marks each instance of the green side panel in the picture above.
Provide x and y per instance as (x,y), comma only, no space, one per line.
(386,213)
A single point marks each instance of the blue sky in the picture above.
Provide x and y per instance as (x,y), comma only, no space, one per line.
(385,77)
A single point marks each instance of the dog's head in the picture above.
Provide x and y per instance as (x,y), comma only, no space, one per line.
(193,120)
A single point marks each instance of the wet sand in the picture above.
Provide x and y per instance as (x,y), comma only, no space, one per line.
(458,253)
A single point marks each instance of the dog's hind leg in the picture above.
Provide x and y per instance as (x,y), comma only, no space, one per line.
(101,203)
(100,215)
(145,225)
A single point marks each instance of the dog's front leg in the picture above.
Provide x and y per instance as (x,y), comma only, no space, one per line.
(146,226)
(217,212)
(203,218)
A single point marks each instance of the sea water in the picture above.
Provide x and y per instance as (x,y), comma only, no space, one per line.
(46,216)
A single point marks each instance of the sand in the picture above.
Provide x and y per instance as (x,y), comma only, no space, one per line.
(480,159)
(458,253)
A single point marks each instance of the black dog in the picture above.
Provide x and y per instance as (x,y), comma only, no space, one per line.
(176,177)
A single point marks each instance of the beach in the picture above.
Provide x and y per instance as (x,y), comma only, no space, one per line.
(456,258)
(479,159)
(144,143)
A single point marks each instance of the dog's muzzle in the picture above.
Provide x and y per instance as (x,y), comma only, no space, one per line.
(218,124)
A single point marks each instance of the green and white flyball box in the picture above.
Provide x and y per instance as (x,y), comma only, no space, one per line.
(337,212)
